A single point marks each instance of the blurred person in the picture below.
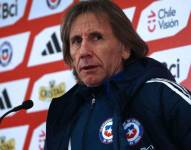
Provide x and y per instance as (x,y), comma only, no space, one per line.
(122,100)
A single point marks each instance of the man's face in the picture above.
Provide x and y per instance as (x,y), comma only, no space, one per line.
(96,53)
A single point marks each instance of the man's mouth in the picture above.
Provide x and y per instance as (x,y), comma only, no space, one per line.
(88,68)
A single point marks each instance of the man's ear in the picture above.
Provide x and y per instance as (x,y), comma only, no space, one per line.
(125,54)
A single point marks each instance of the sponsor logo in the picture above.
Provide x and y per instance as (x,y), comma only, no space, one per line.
(6,52)
(13,138)
(7,144)
(175,61)
(152,21)
(52,91)
(42,136)
(163,19)
(5,100)
(48,7)
(105,132)
(38,138)
(52,46)
(11,11)
(53,3)
(50,86)
(133,130)
(46,47)
(16,43)
(129,12)
(151,147)
(8,97)
(174,68)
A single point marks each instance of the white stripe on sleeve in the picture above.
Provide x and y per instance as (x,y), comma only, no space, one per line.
(174,87)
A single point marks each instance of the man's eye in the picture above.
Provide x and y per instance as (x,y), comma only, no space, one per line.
(96,36)
(76,40)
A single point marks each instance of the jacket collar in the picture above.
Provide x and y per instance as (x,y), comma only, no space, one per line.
(122,87)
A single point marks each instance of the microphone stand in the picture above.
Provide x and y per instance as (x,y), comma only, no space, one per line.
(25,105)
(12,110)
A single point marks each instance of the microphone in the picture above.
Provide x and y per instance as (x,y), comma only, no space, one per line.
(25,105)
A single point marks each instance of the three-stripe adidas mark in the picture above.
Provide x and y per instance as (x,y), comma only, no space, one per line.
(184,93)
(52,46)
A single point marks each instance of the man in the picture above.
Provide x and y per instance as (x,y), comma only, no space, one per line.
(122,100)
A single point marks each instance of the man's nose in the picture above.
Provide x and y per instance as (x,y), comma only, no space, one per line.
(86,48)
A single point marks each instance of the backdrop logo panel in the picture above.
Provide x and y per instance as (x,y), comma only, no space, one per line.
(46,47)
(12,51)
(48,7)
(11,95)
(163,19)
(13,138)
(177,63)
(11,11)
(50,86)
(38,138)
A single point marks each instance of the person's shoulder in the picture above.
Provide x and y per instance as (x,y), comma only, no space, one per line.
(160,92)
(66,95)
(59,102)
(59,105)
(148,96)
(170,88)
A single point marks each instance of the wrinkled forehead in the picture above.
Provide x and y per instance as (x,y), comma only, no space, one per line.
(89,21)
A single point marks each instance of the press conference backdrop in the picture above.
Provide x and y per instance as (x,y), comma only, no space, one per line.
(32,67)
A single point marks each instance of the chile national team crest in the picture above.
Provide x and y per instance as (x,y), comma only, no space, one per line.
(105,132)
(133,131)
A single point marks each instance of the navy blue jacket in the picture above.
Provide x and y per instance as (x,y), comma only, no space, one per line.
(140,108)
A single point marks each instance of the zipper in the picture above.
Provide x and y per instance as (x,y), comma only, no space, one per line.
(93,101)
(92,104)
